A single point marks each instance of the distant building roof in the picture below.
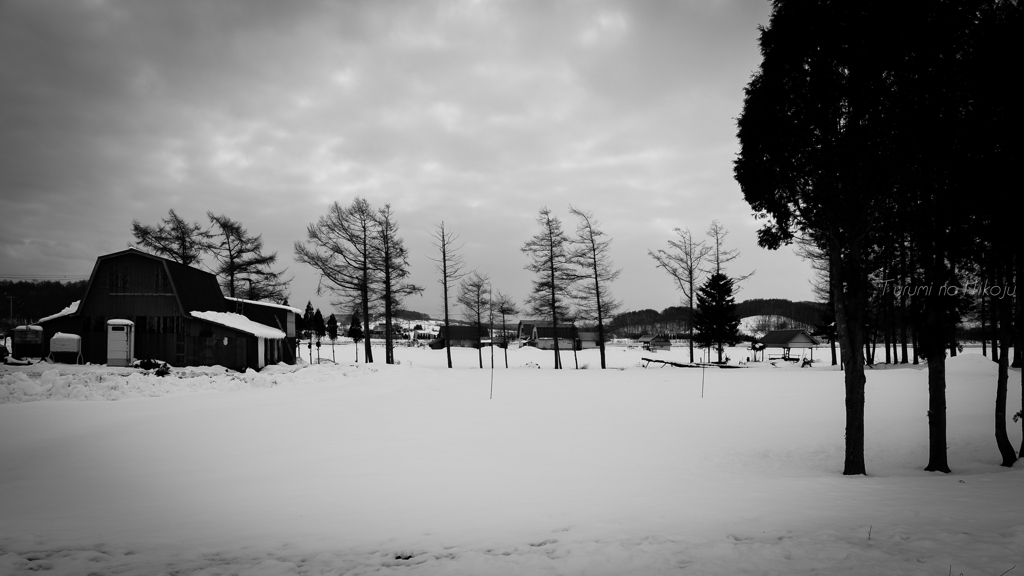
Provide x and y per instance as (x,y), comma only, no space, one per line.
(240,323)
(268,304)
(789,339)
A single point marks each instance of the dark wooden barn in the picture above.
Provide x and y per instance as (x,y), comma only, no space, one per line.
(541,334)
(180,316)
(461,337)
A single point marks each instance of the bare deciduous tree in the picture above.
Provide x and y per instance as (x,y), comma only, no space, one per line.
(506,306)
(551,260)
(591,254)
(451,266)
(391,260)
(683,263)
(475,299)
(340,247)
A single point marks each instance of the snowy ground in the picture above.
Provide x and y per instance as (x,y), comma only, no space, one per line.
(359,469)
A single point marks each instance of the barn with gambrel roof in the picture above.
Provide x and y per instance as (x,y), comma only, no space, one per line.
(180,316)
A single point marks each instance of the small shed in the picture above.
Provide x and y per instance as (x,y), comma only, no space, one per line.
(589,340)
(120,342)
(787,340)
(655,343)
(27,342)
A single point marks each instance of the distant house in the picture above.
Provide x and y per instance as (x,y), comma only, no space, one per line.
(655,343)
(461,337)
(541,334)
(787,340)
(178,314)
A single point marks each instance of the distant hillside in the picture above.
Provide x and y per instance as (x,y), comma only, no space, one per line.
(802,312)
(29,301)
(412,315)
(673,320)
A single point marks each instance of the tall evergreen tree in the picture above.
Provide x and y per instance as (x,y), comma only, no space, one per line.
(816,154)
(715,318)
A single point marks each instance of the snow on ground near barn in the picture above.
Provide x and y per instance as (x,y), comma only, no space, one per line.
(358,469)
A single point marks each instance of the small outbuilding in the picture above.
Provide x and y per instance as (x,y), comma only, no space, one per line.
(655,343)
(27,342)
(788,340)
(461,337)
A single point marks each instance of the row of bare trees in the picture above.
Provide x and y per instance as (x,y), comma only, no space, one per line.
(239,261)
(362,263)
(688,261)
(573,277)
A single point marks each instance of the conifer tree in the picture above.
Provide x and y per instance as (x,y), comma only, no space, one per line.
(355,332)
(332,332)
(715,318)
(245,271)
(174,238)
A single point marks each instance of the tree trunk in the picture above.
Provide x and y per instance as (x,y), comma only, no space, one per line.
(1005,311)
(935,330)
(850,331)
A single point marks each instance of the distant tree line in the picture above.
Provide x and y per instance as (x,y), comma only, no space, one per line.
(24,302)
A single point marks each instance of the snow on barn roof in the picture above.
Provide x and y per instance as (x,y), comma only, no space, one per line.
(71,309)
(270,304)
(240,323)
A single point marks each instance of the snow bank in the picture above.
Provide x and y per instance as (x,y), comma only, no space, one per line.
(105,383)
(416,469)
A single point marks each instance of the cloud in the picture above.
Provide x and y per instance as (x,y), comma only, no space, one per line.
(473,112)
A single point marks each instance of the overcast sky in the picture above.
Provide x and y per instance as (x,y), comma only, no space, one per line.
(475,113)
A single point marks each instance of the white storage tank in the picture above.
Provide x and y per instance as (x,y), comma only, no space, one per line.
(120,342)
(66,348)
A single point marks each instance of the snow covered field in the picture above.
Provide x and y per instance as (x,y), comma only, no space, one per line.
(412,469)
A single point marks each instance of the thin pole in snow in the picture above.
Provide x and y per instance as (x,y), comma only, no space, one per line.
(702,381)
